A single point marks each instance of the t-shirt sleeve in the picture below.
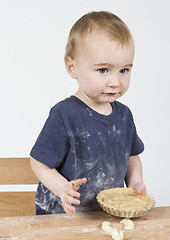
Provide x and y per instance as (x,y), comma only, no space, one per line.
(137,146)
(51,146)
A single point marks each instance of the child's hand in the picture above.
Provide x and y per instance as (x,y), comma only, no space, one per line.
(67,194)
(140,188)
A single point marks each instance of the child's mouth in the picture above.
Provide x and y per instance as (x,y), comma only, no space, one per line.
(111,94)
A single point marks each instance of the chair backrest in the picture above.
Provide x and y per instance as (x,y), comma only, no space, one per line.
(16,171)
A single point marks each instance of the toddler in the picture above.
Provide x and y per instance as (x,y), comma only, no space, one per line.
(89,142)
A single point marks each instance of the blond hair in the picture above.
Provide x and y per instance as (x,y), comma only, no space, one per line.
(105,21)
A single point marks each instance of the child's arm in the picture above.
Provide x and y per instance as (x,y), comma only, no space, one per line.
(134,178)
(59,185)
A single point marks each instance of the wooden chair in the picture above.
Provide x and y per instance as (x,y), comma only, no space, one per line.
(16,171)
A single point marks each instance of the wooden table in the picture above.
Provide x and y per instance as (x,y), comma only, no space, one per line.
(84,226)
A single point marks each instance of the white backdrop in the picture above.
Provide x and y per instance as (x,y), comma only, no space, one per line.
(33,35)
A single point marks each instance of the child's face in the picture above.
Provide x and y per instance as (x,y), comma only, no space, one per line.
(103,68)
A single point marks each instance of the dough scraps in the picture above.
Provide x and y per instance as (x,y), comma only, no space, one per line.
(112,231)
(128,224)
(116,235)
(106,227)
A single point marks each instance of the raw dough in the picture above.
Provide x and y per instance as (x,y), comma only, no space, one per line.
(128,224)
(106,227)
(112,231)
(116,235)
(125,199)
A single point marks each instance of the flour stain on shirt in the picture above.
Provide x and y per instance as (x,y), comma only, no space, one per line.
(47,200)
(83,134)
(102,138)
(42,200)
(89,111)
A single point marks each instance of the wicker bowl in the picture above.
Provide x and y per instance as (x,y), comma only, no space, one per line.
(125,202)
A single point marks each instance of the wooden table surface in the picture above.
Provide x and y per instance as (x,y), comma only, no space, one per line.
(85,226)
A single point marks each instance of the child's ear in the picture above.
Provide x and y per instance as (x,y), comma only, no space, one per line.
(71,67)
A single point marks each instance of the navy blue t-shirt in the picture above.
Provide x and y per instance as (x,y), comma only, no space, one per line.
(80,142)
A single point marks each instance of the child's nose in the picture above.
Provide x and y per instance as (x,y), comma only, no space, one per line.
(114,81)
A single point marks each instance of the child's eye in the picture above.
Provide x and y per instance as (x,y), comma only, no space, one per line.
(124,71)
(102,70)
